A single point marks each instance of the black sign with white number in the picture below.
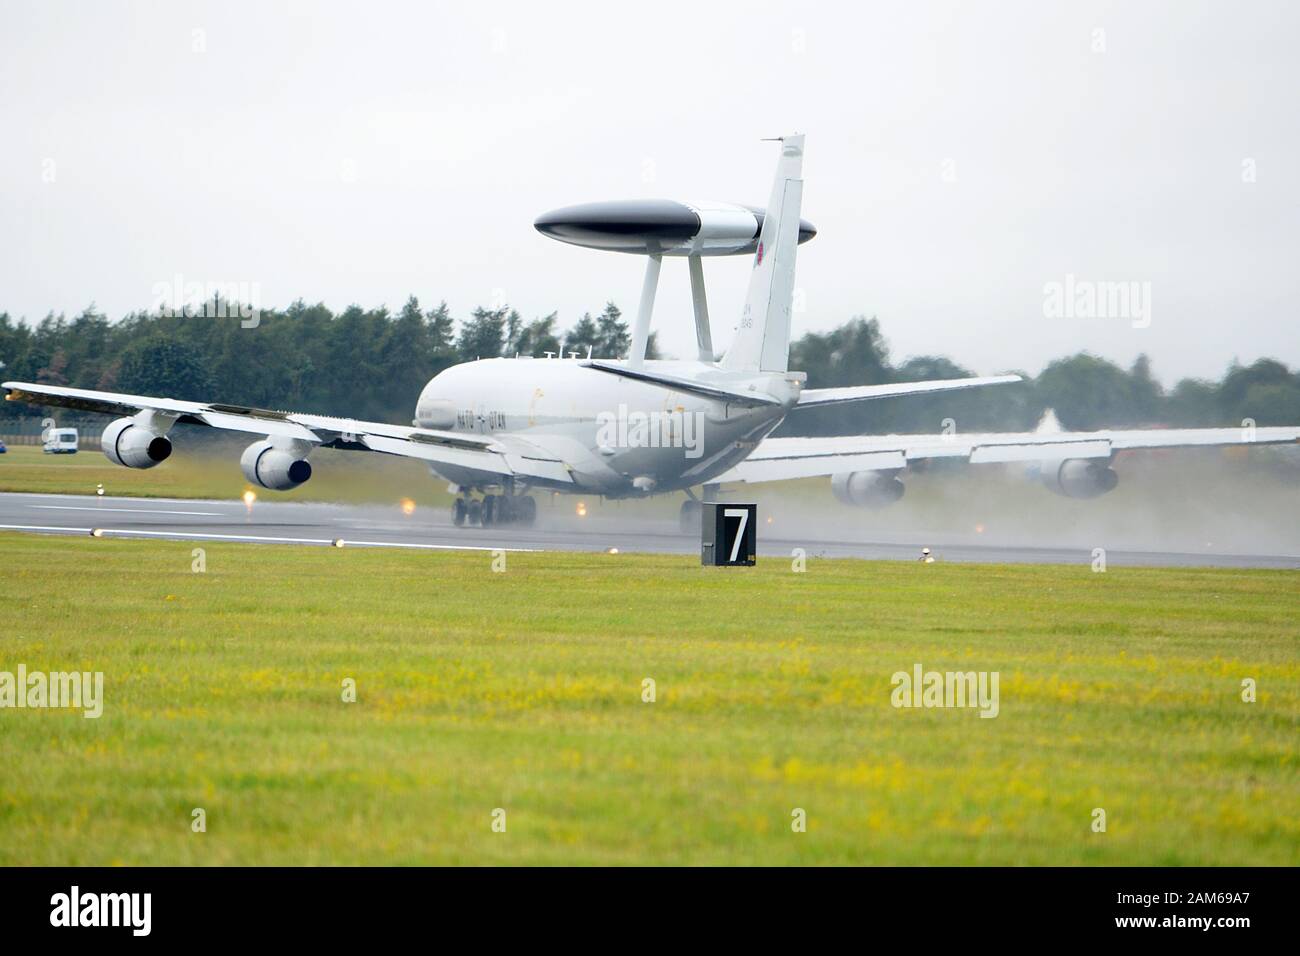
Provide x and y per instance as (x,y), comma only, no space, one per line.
(729,536)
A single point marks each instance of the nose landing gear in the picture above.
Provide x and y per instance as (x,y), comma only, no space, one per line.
(494,510)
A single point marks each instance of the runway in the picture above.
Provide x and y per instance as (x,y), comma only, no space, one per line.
(325,525)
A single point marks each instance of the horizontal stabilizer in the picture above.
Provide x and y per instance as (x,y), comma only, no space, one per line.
(812,397)
(686,385)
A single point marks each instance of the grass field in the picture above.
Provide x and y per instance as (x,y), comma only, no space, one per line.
(214,474)
(522,690)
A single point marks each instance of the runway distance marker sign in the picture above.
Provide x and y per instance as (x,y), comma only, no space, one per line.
(729,535)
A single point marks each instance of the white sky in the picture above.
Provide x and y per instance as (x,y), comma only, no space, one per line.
(462,122)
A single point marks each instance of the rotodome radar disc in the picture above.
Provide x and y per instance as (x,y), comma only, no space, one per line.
(661,227)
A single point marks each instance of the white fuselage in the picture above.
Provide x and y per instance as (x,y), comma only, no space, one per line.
(618,436)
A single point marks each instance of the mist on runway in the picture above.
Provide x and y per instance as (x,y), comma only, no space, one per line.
(1184,500)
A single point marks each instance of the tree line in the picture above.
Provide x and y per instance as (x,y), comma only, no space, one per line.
(358,363)
(371,364)
(1084,390)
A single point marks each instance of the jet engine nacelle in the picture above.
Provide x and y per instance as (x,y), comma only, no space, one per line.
(126,442)
(1079,477)
(278,469)
(867,489)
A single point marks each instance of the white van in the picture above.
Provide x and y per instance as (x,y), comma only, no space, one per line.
(60,441)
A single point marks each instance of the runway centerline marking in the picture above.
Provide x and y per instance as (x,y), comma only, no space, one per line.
(137,511)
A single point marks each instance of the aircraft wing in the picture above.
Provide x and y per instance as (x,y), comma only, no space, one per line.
(779,459)
(506,456)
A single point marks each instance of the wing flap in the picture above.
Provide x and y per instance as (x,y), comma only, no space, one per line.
(278,427)
(784,469)
(1046,450)
(546,469)
(501,463)
(463,458)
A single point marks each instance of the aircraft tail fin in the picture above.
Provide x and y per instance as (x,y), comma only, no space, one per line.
(762,341)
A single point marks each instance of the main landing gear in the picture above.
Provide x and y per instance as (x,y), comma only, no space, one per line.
(494,510)
(688,519)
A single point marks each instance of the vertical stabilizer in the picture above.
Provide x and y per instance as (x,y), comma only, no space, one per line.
(762,341)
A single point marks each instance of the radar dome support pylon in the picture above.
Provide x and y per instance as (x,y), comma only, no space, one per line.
(656,228)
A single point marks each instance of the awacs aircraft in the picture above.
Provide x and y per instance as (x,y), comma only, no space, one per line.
(498,429)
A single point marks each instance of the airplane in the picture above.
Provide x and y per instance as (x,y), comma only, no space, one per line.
(499,429)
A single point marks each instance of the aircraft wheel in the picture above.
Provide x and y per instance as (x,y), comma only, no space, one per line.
(506,511)
(474,512)
(458,512)
(527,510)
(689,517)
(491,511)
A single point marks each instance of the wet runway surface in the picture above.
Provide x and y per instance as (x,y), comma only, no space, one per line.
(269,522)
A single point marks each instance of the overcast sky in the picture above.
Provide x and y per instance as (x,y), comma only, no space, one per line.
(959,159)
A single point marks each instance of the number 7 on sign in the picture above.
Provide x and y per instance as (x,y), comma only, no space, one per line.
(743,515)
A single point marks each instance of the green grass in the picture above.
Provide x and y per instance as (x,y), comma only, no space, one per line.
(522,690)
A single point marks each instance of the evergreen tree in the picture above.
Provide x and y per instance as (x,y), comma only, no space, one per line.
(1087,392)
(853,354)
(1195,403)
(159,366)
(483,336)
(407,353)
(52,374)
(1146,397)
(612,338)
(584,336)
(514,325)
(442,339)
(538,337)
